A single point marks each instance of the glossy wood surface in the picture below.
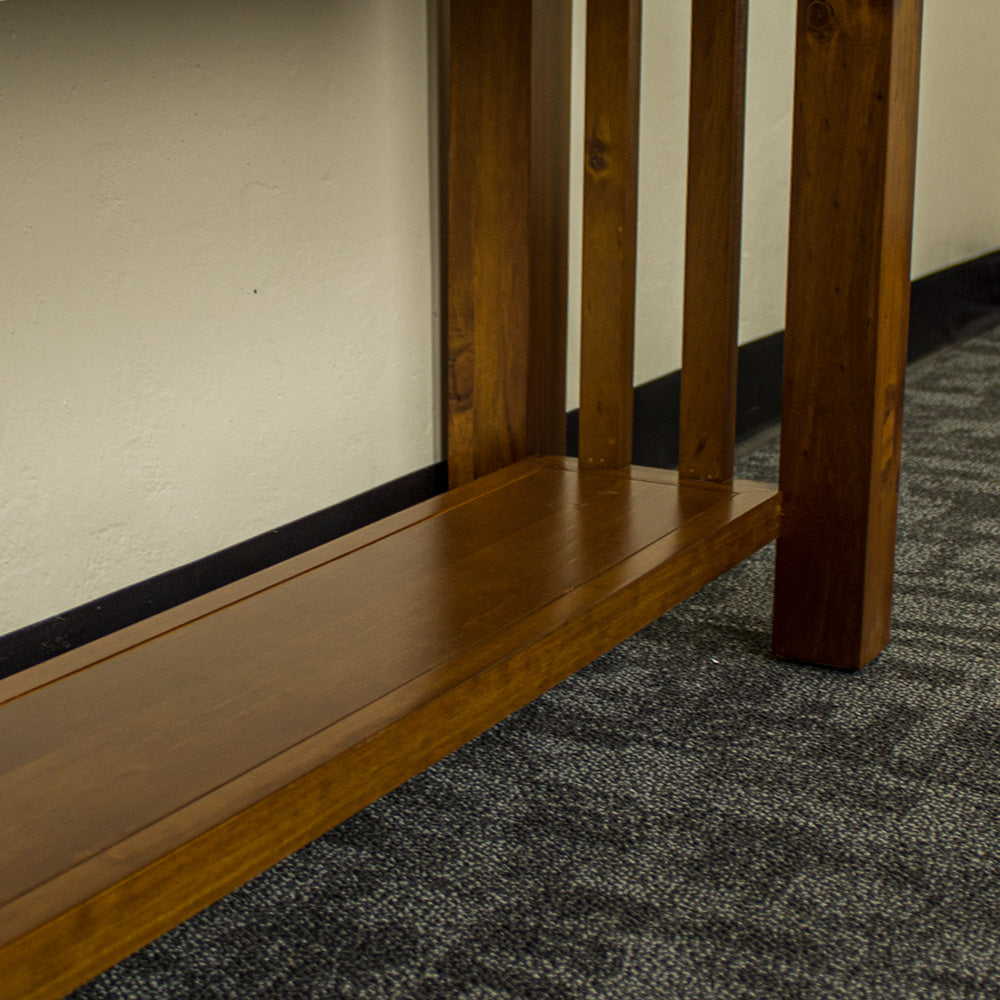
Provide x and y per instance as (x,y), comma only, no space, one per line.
(192,757)
(507,232)
(610,198)
(857,68)
(712,256)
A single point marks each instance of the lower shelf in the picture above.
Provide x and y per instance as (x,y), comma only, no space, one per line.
(150,772)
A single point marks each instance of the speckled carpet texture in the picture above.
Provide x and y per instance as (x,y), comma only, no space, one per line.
(687,817)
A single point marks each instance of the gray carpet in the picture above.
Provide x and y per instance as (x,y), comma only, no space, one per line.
(687,817)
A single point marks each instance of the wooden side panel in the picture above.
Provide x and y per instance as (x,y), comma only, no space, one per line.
(507,231)
(609,231)
(714,220)
(857,67)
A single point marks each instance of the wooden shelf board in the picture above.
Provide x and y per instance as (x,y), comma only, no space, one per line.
(152,771)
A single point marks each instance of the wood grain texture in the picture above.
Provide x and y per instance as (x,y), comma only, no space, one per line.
(507,232)
(488,276)
(714,221)
(857,68)
(610,193)
(194,757)
(551,97)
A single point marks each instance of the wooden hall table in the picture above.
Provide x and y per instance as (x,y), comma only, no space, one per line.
(201,746)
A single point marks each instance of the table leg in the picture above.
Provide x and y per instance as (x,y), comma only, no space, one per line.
(856,82)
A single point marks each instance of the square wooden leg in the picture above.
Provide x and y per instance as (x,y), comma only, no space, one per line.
(856,82)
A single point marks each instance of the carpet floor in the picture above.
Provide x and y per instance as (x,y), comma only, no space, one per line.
(686,817)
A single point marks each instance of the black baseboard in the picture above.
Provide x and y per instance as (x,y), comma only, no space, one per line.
(946,307)
(954,304)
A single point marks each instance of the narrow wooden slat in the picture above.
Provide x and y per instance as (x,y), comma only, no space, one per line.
(551,96)
(857,68)
(196,758)
(609,231)
(714,221)
(509,85)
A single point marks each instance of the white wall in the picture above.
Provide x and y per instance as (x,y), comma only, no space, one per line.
(957,214)
(216,298)
(216,283)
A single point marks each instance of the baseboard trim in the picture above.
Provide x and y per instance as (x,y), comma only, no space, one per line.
(954,304)
(946,307)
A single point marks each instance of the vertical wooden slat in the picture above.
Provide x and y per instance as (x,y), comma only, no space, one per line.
(506,236)
(857,67)
(609,231)
(714,219)
(551,95)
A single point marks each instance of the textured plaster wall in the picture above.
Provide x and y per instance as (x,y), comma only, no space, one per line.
(957,213)
(216,292)
(216,298)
